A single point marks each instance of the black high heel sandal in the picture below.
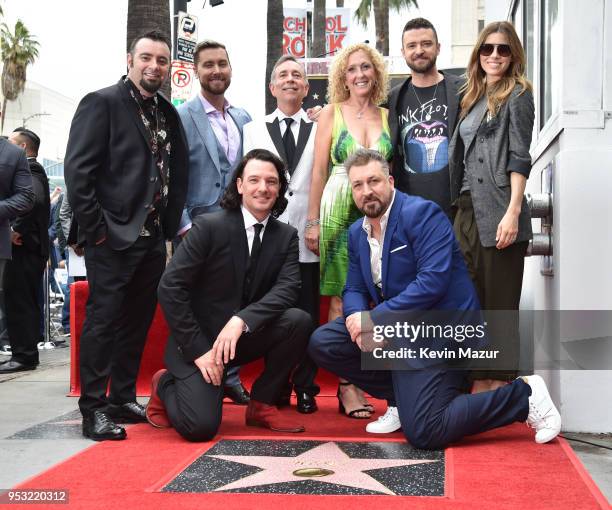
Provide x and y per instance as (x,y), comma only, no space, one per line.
(352,414)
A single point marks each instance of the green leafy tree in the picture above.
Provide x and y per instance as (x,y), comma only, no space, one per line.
(144,16)
(18,50)
(382,9)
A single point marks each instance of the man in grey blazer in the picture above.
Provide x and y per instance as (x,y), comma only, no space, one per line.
(214,135)
(288,133)
(423,113)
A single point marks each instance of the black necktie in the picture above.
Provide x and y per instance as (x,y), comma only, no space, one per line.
(289,142)
(252,264)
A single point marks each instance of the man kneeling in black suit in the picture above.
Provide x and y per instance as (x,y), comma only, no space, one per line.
(227,295)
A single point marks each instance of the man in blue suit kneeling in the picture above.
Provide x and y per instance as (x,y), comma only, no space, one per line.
(403,258)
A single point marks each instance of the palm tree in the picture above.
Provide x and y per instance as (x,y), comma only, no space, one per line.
(318,28)
(381,18)
(146,15)
(18,50)
(275,45)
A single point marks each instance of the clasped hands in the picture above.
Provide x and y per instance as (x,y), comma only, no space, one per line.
(359,325)
(211,363)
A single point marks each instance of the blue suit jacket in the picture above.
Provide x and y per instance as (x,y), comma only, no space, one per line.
(422,266)
(204,189)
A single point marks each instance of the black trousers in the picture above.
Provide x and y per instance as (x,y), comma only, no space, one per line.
(119,311)
(3,331)
(23,275)
(498,279)
(303,376)
(194,406)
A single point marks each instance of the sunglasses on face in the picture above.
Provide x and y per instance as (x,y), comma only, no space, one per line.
(503,50)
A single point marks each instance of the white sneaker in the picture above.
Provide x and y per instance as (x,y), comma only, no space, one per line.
(5,350)
(45,345)
(543,415)
(388,422)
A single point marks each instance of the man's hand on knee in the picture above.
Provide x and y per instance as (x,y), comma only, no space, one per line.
(224,348)
(211,371)
(358,323)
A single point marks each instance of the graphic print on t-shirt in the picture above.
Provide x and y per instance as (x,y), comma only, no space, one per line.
(424,130)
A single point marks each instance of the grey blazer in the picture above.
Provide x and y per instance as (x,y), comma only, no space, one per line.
(499,146)
(204,189)
(16,192)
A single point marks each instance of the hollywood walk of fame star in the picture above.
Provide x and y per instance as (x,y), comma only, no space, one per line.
(347,471)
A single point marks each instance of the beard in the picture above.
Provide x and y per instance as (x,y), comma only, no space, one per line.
(373,209)
(218,88)
(422,67)
(151,86)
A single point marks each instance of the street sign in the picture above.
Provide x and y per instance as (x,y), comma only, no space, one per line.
(187,36)
(182,76)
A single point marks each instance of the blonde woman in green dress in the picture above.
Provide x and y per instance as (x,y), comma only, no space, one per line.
(358,82)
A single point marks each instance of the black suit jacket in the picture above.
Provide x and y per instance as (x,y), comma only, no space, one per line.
(452,83)
(16,195)
(110,171)
(202,286)
(34,226)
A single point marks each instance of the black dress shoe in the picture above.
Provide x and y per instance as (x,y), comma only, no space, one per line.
(99,427)
(11,366)
(306,403)
(237,394)
(130,412)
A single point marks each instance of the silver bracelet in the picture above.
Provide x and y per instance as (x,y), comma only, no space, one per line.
(312,223)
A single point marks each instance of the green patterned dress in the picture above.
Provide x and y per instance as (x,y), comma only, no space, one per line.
(338,211)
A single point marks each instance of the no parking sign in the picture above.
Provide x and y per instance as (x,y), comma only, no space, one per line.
(182,76)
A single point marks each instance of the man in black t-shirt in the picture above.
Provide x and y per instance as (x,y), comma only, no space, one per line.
(423,113)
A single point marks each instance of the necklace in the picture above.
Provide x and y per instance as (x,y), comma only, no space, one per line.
(427,115)
(360,113)
(153,134)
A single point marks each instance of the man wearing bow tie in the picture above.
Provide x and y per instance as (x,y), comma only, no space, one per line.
(288,133)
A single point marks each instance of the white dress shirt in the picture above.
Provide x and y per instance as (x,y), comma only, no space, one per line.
(295,125)
(376,248)
(249,222)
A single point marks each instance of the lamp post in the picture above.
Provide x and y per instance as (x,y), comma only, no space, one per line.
(34,115)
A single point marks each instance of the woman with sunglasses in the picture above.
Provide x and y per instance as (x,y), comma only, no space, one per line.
(489,165)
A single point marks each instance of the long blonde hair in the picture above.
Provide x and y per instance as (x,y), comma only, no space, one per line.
(498,93)
(336,93)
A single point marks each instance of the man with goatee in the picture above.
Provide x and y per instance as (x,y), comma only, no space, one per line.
(126,175)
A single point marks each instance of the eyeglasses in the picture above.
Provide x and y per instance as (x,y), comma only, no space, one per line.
(503,50)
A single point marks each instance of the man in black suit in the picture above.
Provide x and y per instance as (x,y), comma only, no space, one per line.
(423,113)
(16,198)
(30,243)
(228,294)
(126,176)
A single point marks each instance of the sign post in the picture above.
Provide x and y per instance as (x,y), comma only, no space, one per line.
(183,71)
